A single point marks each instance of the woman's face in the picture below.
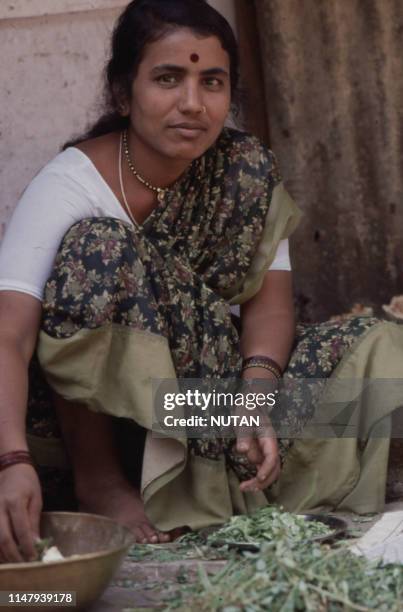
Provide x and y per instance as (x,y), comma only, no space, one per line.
(180,96)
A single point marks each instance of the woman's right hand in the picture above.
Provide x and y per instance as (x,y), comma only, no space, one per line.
(20,491)
(20,510)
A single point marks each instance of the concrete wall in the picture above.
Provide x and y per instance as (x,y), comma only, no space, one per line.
(52,54)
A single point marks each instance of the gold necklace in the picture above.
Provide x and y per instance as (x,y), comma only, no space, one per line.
(158,190)
(122,189)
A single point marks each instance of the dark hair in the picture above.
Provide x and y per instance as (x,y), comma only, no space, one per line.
(143,22)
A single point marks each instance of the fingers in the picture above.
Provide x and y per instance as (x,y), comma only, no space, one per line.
(268,470)
(271,460)
(255,484)
(22,530)
(270,475)
(17,534)
(8,547)
(250,447)
(244,434)
(34,514)
(20,507)
(244,443)
(255,455)
(250,485)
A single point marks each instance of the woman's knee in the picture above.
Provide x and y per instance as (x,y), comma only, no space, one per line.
(99,229)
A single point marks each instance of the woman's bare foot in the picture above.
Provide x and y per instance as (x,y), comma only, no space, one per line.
(122,503)
(100,484)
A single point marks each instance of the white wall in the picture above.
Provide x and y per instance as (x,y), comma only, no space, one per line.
(52,54)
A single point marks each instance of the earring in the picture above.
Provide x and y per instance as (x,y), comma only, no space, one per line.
(204,109)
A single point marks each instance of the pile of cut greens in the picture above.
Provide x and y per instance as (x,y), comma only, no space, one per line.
(286,576)
(289,573)
(267,524)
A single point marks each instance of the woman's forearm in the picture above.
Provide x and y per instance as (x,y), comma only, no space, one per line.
(270,335)
(13,397)
(268,321)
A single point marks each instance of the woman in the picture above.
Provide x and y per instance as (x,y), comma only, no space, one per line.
(158,218)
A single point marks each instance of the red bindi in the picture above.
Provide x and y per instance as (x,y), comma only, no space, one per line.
(194,58)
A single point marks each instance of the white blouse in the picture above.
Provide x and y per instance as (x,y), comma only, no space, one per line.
(69,188)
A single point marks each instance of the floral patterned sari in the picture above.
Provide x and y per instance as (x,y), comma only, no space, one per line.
(128,304)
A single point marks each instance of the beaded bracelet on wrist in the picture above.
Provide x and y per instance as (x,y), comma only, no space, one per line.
(265,367)
(261,361)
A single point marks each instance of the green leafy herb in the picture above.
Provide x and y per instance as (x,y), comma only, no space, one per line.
(268,524)
(290,576)
(42,545)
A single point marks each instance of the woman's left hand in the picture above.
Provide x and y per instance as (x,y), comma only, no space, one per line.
(261,451)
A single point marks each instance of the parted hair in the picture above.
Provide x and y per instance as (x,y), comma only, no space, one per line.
(141,23)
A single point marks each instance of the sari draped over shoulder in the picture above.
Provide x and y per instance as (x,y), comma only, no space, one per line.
(128,304)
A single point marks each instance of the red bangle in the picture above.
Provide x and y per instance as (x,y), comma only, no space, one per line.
(13,458)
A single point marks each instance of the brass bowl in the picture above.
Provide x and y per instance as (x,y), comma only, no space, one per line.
(100,543)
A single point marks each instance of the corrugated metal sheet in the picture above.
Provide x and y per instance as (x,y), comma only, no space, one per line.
(334,88)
